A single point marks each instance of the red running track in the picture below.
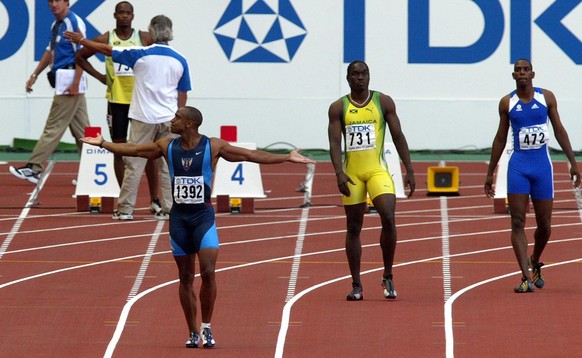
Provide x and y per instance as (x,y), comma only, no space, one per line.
(83,285)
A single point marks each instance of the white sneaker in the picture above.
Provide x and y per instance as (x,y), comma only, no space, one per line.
(389,291)
(26,172)
(193,340)
(207,339)
(162,215)
(155,206)
(121,216)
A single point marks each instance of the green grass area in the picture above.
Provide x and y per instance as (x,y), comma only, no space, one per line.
(21,149)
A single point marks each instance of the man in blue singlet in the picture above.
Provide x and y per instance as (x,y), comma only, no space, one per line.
(526,111)
(192,158)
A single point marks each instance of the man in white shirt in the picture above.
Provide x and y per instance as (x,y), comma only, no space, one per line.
(162,79)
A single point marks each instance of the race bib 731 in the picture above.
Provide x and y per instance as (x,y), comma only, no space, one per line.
(360,137)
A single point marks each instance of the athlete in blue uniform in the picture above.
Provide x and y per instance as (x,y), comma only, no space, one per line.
(526,111)
(191,159)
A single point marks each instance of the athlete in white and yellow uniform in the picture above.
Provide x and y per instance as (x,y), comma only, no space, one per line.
(364,162)
(362,118)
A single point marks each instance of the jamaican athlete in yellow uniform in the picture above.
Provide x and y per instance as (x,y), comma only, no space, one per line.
(363,118)
(364,132)
(120,77)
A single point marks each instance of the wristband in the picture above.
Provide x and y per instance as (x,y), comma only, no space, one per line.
(81,41)
(33,75)
(101,144)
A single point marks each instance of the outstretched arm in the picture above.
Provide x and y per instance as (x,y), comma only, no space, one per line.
(146,150)
(81,58)
(78,38)
(221,148)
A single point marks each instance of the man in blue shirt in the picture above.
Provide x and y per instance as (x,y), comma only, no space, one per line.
(68,110)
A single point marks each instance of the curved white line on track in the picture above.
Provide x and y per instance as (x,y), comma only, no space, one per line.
(126,309)
(28,278)
(449,337)
(130,303)
(287,308)
(125,313)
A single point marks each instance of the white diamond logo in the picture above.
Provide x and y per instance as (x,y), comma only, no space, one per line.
(260,31)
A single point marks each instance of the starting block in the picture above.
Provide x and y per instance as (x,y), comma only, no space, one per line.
(95,205)
(226,204)
(97,186)
(235,204)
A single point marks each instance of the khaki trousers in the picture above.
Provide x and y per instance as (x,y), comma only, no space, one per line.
(141,132)
(66,111)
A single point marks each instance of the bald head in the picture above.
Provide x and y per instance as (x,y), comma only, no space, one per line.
(192,114)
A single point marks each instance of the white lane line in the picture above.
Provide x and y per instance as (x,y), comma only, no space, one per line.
(449,337)
(24,213)
(298,252)
(127,308)
(446,266)
(445,244)
(287,308)
(277,259)
(146,260)
(28,278)
(306,186)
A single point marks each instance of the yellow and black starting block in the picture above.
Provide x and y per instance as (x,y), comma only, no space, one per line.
(226,204)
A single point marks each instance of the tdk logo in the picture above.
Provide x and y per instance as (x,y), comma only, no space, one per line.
(260,31)
(520,32)
(360,128)
(188,180)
